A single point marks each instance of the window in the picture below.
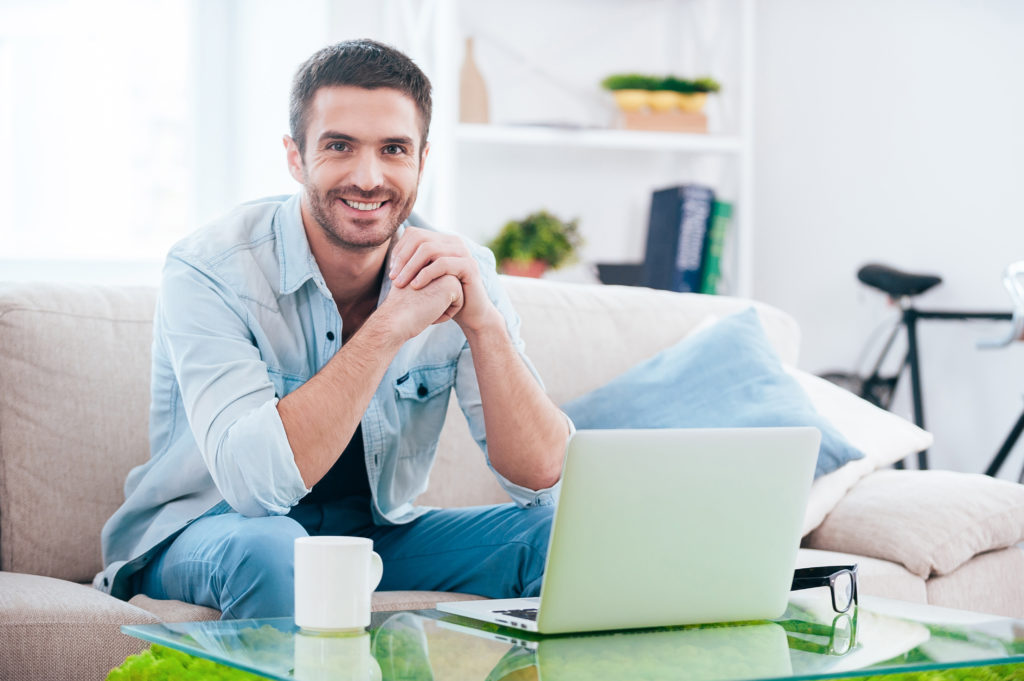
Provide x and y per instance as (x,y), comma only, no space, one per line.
(95,128)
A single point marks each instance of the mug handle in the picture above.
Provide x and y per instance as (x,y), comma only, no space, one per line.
(376,570)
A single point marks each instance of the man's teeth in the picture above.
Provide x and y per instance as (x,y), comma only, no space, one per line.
(363,206)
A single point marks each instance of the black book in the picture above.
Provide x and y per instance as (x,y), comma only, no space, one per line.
(675,237)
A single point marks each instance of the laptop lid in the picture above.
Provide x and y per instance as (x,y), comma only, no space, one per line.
(676,526)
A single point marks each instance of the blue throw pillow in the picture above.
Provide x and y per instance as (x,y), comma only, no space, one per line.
(727,375)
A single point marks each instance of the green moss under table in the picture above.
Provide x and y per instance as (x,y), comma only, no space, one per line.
(882,638)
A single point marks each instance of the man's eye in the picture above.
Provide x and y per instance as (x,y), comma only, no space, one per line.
(394,149)
(338,146)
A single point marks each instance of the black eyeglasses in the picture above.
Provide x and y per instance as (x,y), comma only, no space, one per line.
(840,579)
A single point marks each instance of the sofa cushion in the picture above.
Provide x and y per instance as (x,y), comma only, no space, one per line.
(884,437)
(981,584)
(74,364)
(168,610)
(727,375)
(54,629)
(931,522)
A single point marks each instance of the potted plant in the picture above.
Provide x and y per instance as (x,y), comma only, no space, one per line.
(631,90)
(536,243)
(697,97)
(675,91)
(634,92)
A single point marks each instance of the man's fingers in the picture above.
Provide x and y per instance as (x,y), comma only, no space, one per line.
(406,248)
(456,267)
(424,254)
(415,252)
(456,299)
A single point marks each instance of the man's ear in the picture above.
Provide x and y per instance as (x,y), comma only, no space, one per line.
(423,158)
(295,164)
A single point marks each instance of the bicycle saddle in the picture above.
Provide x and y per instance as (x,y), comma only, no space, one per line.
(896,283)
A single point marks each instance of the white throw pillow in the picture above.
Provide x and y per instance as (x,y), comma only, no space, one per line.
(884,437)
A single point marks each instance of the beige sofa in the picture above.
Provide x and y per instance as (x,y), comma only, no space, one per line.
(74,380)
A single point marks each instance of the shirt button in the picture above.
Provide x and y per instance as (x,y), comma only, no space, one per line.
(422,391)
(330,335)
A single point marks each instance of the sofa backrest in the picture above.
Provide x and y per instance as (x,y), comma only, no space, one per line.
(74,397)
(74,406)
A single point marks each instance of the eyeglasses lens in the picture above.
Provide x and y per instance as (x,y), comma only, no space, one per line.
(843,590)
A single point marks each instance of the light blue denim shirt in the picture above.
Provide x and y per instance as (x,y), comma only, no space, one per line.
(243,318)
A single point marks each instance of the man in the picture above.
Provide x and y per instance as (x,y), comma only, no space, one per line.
(304,351)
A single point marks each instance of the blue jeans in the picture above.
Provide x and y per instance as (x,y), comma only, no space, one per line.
(244,566)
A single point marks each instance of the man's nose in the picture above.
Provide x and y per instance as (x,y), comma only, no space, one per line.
(368,173)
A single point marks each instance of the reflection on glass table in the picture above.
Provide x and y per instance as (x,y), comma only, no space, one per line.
(809,641)
(746,651)
(837,638)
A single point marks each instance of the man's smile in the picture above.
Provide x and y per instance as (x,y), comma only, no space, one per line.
(360,206)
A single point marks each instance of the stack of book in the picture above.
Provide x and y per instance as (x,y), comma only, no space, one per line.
(685,237)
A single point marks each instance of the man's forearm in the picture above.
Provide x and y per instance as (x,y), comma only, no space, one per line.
(526,432)
(321,416)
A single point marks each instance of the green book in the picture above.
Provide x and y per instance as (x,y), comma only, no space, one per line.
(721,214)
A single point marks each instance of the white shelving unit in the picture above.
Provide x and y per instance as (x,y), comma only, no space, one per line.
(469,133)
(542,61)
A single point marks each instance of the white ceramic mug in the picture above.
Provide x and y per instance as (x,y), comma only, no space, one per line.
(334,578)
(334,657)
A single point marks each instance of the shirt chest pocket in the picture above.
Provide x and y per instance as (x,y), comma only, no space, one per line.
(422,384)
(421,397)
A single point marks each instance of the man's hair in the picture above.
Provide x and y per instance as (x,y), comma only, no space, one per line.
(360,63)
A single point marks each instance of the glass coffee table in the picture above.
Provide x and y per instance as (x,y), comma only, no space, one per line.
(809,641)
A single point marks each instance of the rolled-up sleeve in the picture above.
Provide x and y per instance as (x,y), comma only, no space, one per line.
(226,391)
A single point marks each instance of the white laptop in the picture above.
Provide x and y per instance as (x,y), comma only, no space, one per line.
(664,527)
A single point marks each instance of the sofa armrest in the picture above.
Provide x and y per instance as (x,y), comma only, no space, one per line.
(54,629)
(931,522)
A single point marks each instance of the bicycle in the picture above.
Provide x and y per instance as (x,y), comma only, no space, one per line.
(902,288)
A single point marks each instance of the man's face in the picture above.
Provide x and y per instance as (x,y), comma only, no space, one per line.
(362,163)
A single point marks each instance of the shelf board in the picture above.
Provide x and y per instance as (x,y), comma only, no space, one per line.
(595,138)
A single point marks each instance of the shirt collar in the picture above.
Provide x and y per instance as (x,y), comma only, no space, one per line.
(295,258)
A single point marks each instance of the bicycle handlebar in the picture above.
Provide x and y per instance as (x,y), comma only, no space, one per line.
(1013,280)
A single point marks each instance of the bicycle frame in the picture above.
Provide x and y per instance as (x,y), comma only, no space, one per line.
(909,319)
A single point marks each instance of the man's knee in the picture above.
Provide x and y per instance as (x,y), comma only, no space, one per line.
(256,575)
(265,544)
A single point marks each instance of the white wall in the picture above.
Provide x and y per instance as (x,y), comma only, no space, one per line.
(891,131)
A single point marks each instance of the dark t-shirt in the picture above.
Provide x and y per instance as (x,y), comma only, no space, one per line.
(347,477)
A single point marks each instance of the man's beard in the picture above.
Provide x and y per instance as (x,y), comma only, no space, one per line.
(321,205)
